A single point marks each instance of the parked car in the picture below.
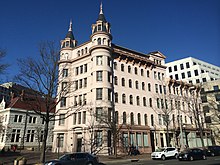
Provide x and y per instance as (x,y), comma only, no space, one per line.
(81,158)
(192,154)
(212,150)
(164,153)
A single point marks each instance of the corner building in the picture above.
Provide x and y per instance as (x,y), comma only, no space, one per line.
(108,80)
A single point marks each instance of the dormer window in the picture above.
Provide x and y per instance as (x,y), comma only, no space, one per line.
(100,27)
(67,43)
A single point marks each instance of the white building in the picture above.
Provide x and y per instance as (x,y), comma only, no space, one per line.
(21,126)
(110,80)
(192,70)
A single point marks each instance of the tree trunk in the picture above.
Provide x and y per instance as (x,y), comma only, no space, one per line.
(167,137)
(44,144)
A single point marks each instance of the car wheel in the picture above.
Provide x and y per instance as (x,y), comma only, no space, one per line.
(212,154)
(163,157)
(176,156)
(89,163)
(204,157)
(191,158)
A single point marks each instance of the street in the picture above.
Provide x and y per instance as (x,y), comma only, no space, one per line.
(209,161)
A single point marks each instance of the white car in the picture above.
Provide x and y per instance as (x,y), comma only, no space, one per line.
(163,153)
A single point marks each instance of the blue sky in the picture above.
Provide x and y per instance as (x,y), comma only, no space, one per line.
(177,28)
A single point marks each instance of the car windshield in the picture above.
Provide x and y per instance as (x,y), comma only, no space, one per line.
(159,150)
(186,151)
(64,157)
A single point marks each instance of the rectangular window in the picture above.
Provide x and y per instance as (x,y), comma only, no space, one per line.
(74,119)
(196,72)
(30,119)
(61,119)
(65,73)
(98,138)
(181,66)
(60,139)
(99,94)
(98,113)
(99,60)
(16,118)
(85,82)
(217,97)
(170,69)
(183,75)
(80,83)
(64,86)
(77,70)
(76,84)
(99,76)
(85,68)
(187,65)
(156,88)
(216,88)
(176,77)
(204,99)
(63,102)
(175,67)
(84,117)
(138,139)
(145,138)
(79,117)
(189,74)
(81,69)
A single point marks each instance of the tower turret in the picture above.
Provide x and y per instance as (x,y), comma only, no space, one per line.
(69,41)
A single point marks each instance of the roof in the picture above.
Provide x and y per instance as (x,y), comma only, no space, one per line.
(70,35)
(30,103)
(101,18)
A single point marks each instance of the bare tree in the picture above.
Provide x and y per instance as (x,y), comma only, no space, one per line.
(42,76)
(2,65)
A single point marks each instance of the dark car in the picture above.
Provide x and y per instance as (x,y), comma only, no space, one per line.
(192,154)
(79,158)
(212,150)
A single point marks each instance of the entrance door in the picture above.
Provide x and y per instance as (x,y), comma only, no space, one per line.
(152,140)
(79,145)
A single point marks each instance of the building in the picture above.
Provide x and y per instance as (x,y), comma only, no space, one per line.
(192,70)
(210,96)
(20,125)
(113,83)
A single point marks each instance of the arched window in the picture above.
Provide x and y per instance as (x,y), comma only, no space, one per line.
(144,101)
(142,72)
(122,67)
(86,50)
(145,119)
(148,73)
(150,102)
(139,118)
(124,118)
(78,53)
(135,71)
(131,99)
(138,100)
(99,41)
(116,117)
(132,118)
(149,87)
(104,40)
(129,69)
(109,43)
(116,97)
(152,120)
(143,86)
(136,84)
(158,103)
(82,52)
(130,83)
(123,99)
(123,82)
(116,80)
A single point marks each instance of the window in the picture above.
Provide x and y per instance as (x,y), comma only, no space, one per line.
(150,102)
(148,73)
(217,97)
(138,139)
(216,88)
(136,84)
(60,139)
(109,94)
(131,99)
(204,99)
(170,69)
(152,120)
(135,71)
(74,119)
(158,103)
(187,65)
(149,87)
(159,119)
(138,100)
(99,94)
(116,80)
(99,60)
(176,77)
(144,101)
(181,66)
(143,86)
(98,113)
(208,119)
(18,118)
(204,80)
(189,74)
(142,72)
(124,117)
(156,88)
(116,117)
(15,135)
(99,39)
(63,102)
(81,69)
(123,82)
(145,119)
(30,135)
(77,70)
(130,83)
(115,65)
(79,117)
(116,97)
(64,86)
(85,82)
(80,83)
(98,75)
(139,118)
(98,138)
(65,72)
(145,138)
(183,75)
(122,67)
(175,68)
(61,119)
(129,69)
(123,99)
(196,72)
(132,118)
